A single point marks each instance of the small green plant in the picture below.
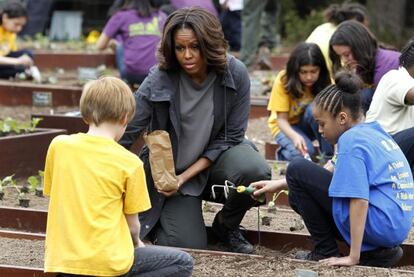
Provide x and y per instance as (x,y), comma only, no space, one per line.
(23,200)
(322,159)
(35,184)
(11,125)
(4,182)
(272,204)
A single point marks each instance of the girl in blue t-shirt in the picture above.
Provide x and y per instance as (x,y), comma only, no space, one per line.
(367,201)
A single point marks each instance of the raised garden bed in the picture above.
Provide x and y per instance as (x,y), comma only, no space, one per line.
(30,94)
(29,262)
(25,154)
(72,59)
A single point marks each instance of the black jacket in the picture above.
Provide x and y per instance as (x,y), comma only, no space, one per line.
(157,108)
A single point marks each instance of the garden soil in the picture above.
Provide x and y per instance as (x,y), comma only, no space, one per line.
(31,254)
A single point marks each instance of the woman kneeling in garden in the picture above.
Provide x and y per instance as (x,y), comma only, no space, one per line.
(201,97)
(367,201)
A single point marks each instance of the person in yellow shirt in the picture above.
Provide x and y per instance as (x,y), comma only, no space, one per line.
(13,17)
(97,188)
(291,120)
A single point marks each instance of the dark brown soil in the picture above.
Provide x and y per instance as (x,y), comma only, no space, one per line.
(31,253)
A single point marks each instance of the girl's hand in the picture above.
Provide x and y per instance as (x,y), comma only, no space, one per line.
(300,144)
(347,261)
(267,186)
(329,166)
(25,60)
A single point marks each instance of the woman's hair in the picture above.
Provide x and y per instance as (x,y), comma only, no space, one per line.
(407,54)
(337,14)
(13,10)
(209,34)
(107,99)
(363,46)
(305,54)
(343,94)
(144,8)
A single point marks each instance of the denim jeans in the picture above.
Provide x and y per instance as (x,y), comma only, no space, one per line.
(308,196)
(161,261)
(156,261)
(308,129)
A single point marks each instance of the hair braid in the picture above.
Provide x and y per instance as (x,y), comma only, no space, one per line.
(344,94)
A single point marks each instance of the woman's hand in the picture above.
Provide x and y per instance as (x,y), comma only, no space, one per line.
(268,186)
(347,261)
(300,144)
(180,182)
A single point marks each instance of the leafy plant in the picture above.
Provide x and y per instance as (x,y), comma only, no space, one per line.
(322,159)
(4,182)
(33,182)
(272,204)
(11,125)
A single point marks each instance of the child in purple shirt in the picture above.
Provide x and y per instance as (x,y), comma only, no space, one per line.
(353,46)
(138,27)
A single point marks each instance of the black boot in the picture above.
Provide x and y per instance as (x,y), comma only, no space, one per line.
(232,239)
(381,257)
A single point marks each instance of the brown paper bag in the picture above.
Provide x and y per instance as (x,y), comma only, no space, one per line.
(161,160)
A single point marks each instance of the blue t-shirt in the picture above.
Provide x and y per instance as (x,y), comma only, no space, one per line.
(371,166)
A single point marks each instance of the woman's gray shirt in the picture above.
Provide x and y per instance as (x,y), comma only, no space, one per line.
(158,108)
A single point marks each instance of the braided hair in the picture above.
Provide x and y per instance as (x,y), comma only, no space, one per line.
(343,94)
(407,54)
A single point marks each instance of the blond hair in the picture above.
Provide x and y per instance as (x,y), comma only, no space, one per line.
(107,99)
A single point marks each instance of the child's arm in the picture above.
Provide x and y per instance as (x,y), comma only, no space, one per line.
(22,60)
(286,128)
(358,210)
(268,186)
(134,229)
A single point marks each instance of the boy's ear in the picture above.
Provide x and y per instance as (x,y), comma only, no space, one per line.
(124,120)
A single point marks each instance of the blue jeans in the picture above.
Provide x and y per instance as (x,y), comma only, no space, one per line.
(308,129)
(161,261)
(156,261)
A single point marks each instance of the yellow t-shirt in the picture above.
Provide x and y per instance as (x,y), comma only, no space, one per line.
(281,101)
(92,182)
(321,36)
(7,42)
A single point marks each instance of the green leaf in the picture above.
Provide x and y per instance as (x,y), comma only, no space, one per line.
(33,182)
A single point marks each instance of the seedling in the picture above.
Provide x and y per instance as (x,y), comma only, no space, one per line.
(23,200)
(322,159)
(271,206)
(10,125)
(35,185)
(22,195)
(4,182)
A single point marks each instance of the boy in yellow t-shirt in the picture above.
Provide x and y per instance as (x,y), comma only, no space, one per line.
(97,188)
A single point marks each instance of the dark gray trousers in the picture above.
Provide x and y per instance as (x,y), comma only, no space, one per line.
(181,222)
